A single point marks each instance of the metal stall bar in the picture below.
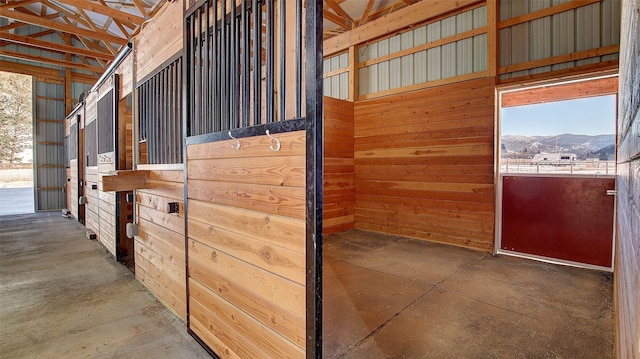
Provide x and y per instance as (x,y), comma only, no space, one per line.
(283,60)
(235,56)
(257,61)
(246,60)
(314,180)
(269,60)
(298,58)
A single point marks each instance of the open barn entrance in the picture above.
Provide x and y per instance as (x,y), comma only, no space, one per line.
(16,158)
(556,166)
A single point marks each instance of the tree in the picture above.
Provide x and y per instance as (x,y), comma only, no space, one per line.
(15,115)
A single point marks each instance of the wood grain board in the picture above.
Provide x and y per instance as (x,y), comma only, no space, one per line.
(339,180)
(424,164)
(160,243)
(246,253)
(627,243)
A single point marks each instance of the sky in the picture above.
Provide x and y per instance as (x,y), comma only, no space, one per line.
(590,116)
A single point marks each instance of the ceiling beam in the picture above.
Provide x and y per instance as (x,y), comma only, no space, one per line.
(104,10)
(31,70)
(71,29)
(50,61)
(15,4)
(141,7)
(367,12)
(339,10)
(342,22)
(52,46)
(397,20)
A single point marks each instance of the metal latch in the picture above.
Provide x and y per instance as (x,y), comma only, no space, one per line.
(612,192)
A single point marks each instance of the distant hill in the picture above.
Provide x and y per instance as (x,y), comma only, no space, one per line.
(584,146)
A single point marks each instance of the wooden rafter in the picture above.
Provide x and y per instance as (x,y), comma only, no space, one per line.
(50,61)
(14,4)
(104,10)
(367,12)
(52,46)
(47,23)
(339,10)
(141,7)
(344,23)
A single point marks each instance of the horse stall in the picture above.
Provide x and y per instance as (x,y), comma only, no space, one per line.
(213,142)
(108,148)
(75,163)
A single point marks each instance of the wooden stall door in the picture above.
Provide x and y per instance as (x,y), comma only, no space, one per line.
(563,218)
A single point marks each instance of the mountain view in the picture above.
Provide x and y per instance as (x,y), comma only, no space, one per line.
(584,146)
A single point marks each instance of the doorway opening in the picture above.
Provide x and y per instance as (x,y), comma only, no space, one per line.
(556,164)
(16,148)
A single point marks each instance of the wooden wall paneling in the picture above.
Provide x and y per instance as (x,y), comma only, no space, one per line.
(125,70)
(627,251)
(160,243)
(339,179)
(160,39)
(73,188)
(246,254)
(583,89)
(107,205)
(92,221)
(424,164)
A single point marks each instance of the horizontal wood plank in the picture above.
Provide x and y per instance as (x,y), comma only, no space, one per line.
(276,302)
(284,201)
(278,260)
(228,324)
(284,231)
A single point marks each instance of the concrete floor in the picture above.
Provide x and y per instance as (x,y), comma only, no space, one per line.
(62,296)
(393,297)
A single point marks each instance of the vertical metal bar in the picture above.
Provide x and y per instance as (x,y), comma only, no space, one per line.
(235,62)
(224,71)
(283,60)
(179,113)
(298,58)
(156,120)
(189,84)
(206,113)
(269,60)
(175,114)
(314,176)
(150,131)
(246,58)
(165,114)
(198,65)
(217,64)
(186,100)
(174,117)
(257,61)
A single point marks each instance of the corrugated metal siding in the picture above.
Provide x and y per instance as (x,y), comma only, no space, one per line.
(585,28)
(49,115)
(454,59)
(336,86)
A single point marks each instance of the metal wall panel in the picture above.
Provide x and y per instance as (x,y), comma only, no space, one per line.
(585,28)
(453,59)
(588,27)
(49,116)
(610,28)
(480,53)
(336,86)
